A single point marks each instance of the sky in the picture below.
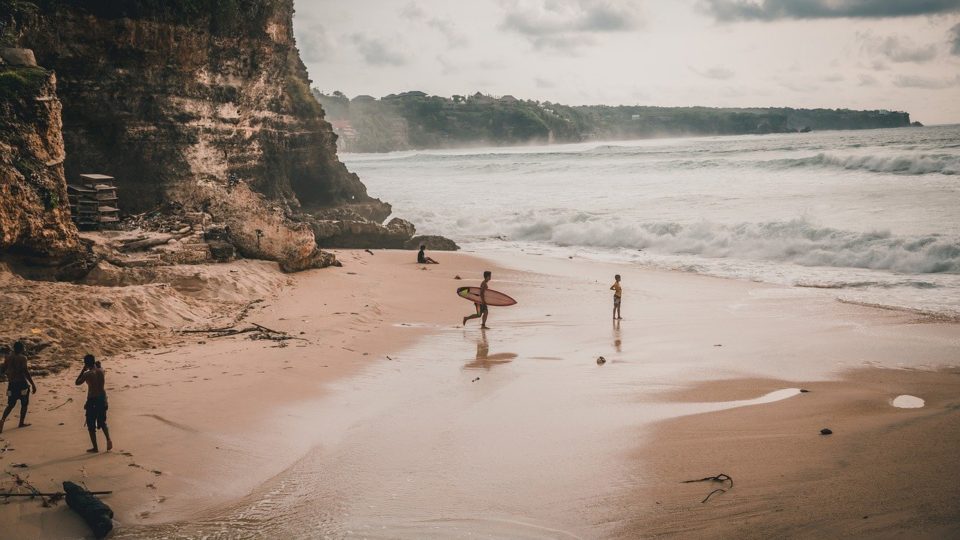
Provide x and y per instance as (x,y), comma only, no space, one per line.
(861,54)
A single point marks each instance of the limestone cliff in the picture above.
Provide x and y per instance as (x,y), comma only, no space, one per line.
(175,98)
(34,216)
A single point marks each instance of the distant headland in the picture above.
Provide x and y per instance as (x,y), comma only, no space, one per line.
(416,120)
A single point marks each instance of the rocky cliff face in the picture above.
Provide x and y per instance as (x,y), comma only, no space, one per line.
(34,214)
(175,98)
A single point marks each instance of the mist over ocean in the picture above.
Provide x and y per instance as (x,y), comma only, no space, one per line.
(872,216)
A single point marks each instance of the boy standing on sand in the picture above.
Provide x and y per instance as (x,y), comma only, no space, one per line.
(482,305)
(617,293)
(19,383)
(96,405)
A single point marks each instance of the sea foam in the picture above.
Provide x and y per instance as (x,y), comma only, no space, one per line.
(795,241)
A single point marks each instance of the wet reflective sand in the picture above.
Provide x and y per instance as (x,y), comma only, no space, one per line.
(517,432)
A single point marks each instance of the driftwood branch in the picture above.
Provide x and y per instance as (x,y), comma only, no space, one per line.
(137,245)
(265,329)
(262,332)
(707,498)
(721,478)
(55,494)
(718,478)
(69,399)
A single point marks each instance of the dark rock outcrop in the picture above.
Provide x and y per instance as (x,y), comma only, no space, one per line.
(432,242)
(359,233)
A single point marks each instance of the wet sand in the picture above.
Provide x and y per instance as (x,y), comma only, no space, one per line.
(515,432)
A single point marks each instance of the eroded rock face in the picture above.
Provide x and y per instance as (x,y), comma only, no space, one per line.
(174,99)
(360,233)
(34,211)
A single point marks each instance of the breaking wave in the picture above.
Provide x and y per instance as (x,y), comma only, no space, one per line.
(898,164)
(796,241)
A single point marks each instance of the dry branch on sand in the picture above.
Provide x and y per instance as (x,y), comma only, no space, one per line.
(257,331)
(722,478)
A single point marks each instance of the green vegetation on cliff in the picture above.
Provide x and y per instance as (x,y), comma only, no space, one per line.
(417,120)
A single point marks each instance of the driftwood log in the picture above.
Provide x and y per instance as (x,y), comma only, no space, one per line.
(138,245)
(99,516)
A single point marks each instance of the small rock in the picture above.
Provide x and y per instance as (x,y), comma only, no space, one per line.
(803,390)
(601,360)
(718,345)
(457,277)
(475,380)
(105,303)
(826,431)
(19,465)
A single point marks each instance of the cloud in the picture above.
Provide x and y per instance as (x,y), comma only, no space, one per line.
(455,39)
(544,83)
(313,43)
(412,11)
(916,81)
(897,49)
(377,53)
(867,80)
(716,73)
(568,24)
(955,40)
(769,10)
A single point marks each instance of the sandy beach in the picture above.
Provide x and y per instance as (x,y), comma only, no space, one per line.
(386,419)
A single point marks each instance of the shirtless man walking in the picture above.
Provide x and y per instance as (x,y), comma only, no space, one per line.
(96,405)
(19,383)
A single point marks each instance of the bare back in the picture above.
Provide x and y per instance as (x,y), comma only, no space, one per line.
(95,380)
(15,367)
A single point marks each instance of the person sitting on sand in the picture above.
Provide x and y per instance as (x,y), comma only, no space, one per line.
(617,294)
(422,257)
(19,383)
(96,405)
(482,305)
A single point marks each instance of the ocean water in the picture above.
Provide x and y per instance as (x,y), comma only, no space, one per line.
(869,216)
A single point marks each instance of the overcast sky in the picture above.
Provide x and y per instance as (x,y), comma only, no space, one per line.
(860,54)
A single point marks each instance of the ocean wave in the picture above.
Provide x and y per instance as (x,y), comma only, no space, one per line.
(796,241)
(910,164)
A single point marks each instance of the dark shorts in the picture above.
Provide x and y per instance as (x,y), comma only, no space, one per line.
(96,408)
(18,391)
(481,308)
(616,301)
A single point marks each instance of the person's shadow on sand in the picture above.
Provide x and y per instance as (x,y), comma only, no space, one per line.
(485,360)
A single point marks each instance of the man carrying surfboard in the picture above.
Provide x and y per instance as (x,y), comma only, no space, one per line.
(481,306)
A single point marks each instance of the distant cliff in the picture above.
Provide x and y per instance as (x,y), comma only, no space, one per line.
(175,98)
(416,120)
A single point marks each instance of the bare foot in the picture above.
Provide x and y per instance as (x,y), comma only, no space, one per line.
(109,445)
(484,327)
(24,425)
(92,451)
(464,323)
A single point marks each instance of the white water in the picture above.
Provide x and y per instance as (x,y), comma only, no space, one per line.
(871,215)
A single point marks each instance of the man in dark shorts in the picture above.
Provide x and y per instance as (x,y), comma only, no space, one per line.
(19,383)
(481,306)
(96,405)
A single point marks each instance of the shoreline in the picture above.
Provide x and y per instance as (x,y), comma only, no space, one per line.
(248,416)
(202,423)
